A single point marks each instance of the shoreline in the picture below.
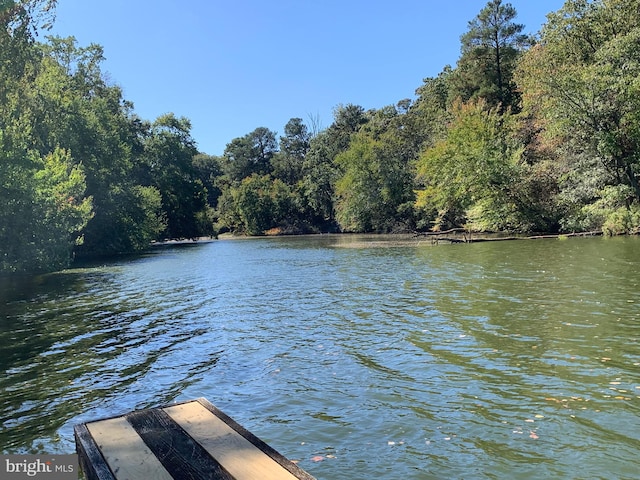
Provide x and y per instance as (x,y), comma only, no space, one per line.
(452,236)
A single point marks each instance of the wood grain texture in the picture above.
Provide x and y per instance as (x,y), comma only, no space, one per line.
(192,440)
(181,455)
(267,449)
(234,452)
(91,460)
(125,452)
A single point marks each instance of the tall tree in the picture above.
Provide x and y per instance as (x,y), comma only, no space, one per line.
(208,169)
(468,176)
(43,208)
(25,18)
(77,108)
(169,152)
(489,51)
(358,188)
(250,154)
(429,111)
(320,172)
(294,145)
(262,203)
(374,191)
(347,120)
(581,82)
(43,201)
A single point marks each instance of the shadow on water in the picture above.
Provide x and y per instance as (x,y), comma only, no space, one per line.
(71,342)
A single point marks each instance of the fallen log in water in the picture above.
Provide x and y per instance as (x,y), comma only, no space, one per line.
(467,237)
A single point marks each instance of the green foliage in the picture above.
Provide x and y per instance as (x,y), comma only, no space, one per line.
(250,154)
(208,169)
(81,174)
(319,175)
(44,209)
(78,132)
(472,170)
(60,194)
(302,176)
(535,194)
(581,81)
(253,201)
(43,200)
(375,189)
(262,203)
(430,110)
(615,212)
(490,49)
(142,218)
(169,152)
(24,18)
(357,189)
(623,221)
(226,213)
(320,172)
(288,162)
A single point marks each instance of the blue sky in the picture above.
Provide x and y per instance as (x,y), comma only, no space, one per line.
(232,66)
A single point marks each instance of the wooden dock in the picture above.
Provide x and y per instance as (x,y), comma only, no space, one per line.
(189,440)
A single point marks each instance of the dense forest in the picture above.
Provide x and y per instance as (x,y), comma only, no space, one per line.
(524,134)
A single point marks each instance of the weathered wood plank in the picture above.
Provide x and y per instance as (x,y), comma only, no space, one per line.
(238,455)
(92,463)
(124,451)
(267,449)
(180,454)
(191,440)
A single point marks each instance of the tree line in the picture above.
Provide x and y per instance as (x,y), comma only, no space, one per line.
(524,134)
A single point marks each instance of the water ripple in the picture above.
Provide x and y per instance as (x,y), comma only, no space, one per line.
(510,360)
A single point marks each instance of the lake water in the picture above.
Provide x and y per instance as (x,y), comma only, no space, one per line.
(358,357)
